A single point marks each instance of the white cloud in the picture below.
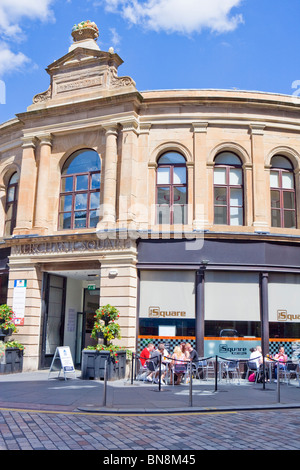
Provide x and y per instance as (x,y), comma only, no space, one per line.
(13,11)
(115,37)
(181,16)
(10,61)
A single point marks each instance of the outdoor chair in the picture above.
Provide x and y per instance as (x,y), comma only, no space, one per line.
(180,368)
(142,371)
(231,368)
(152,367)
(252,368)
(200,367)
(211,367)
(291,369)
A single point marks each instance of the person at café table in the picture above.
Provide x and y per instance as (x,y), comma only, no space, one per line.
(256,356)
(160,351)
(282,358)
(146,353)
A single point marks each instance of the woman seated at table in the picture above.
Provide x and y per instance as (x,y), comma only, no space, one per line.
(178,364)
(256,356)
(282,358)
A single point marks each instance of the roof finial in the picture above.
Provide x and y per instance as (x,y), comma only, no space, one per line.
(85,34)
(85,30)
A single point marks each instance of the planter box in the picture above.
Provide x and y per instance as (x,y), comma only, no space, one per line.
(5,332)
(93,365)
(12,361)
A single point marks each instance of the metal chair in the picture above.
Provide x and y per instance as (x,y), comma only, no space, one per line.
(152,367)
(142,371)
(253,367)
(232,368)
(291,369)
(211,367)
(179,368)
(199,367)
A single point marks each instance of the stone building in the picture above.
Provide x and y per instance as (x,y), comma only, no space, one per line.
(179,207)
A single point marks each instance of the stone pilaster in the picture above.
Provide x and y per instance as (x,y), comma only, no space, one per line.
(42,195)
(28,334)
(261,195)
(118,287)
(27,187)
(110,177)
(128,174)
(201,195)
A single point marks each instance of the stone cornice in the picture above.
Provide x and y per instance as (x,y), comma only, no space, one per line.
(200,127)
(29,141)
(257,128)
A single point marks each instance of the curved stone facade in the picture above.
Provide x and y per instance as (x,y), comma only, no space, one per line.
(88,106)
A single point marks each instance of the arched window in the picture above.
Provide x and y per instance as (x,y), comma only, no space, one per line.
(228,190)
(11,204)
(283,200)
(80,191)
(171,189)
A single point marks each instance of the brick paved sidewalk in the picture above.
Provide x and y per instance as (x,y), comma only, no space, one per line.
(147,434)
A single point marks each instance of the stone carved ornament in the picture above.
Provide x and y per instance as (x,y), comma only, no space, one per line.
(42,97)
(117,82)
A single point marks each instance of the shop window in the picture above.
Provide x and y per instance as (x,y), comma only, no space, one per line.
(232,304)
(283,301)
(11,204)
(283,200)
(171,189)
(228,190)
(79,203)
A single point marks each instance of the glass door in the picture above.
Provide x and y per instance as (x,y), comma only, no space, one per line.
(54,316)
(90,305)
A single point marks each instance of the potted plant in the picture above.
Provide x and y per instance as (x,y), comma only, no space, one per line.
(7,326)
(105,325)
(94,358)
(11,352)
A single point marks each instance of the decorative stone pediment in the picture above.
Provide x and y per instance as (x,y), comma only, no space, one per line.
(85,71)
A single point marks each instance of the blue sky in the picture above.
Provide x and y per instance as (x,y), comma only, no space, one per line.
(165,44)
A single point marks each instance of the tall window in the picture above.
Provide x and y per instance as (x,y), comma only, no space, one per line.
(283,201)
(171,189)
(11,204)
(80,191)
(228,190)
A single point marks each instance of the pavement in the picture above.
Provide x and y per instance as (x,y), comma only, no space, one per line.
(42,391)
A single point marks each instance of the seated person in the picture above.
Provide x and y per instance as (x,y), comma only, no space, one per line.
(282,358)
(179,360)
(193,355)
(256,357)
(155,358)
(146,353)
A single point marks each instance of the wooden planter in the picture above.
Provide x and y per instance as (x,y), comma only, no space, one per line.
(93,365)
(12,361)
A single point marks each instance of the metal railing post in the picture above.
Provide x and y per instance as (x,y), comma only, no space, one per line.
(159,380)
(278,383)
(132,367)
(216,374)
(191,386)
(105,385)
